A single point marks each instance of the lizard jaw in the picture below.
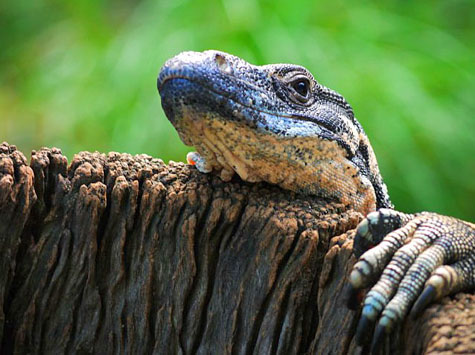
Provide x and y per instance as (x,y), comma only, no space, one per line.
(228,147)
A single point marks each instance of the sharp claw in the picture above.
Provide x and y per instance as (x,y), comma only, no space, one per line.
(364,328)
(426,297)
(378,338)
(353,297)
(361,334)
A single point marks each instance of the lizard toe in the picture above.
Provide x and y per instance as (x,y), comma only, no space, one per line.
(372,263)
(446,280)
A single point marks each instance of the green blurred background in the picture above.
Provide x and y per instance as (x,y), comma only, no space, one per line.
(81,75)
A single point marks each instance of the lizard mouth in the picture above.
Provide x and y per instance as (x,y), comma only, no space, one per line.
(326,125)
(179,91)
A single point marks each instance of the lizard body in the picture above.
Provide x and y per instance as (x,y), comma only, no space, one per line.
(276,123)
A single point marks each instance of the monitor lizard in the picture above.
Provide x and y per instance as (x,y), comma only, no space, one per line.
(276,123)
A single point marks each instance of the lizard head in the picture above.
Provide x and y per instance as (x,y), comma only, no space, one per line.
(272,123)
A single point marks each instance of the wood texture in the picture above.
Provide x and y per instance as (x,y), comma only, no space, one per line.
(124,254)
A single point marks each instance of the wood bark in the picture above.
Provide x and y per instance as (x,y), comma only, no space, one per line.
(124,254)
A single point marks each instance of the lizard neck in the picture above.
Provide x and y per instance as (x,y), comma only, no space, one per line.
(372,172)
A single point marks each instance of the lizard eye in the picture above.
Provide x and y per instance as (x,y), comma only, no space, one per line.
(301,89)
(301,86)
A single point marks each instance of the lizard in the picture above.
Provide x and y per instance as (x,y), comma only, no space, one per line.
(276,123)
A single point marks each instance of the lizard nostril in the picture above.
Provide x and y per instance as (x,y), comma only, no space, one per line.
(222,63)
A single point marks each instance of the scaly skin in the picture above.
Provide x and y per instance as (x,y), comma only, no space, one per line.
(423,257)
(276,123)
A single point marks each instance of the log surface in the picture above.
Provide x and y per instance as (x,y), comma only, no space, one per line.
(124,254)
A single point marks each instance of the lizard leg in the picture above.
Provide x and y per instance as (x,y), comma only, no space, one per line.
(430,240)
(194,158)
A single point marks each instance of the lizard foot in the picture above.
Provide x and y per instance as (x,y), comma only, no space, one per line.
(207,165)
(194,158)
(419,258)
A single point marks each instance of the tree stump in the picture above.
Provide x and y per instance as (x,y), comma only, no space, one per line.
(124,254)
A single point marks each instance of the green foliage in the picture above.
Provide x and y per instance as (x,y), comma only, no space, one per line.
(81,75)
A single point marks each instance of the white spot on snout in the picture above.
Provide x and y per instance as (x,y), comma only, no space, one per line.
(223,64)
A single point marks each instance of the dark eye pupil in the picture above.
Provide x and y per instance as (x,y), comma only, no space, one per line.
(301,87)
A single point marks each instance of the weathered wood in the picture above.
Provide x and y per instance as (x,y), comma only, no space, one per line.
(119,253)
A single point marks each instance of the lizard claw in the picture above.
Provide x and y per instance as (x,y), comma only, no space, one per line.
(427,296)
(411,264)
(378,338)
(354,296)
(365,325)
